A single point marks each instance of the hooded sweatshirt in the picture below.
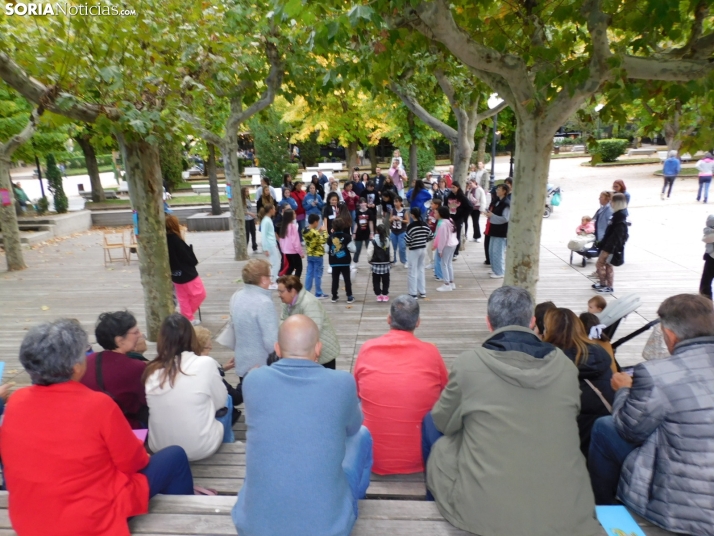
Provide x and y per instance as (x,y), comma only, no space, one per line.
(706,165)
(510,460)
(185,414)
(708,237)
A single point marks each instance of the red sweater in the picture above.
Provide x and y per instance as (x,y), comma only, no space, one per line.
(299,197)
(122,379)
(71,463)
(399,379)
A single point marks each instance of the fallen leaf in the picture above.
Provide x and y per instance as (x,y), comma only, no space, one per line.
(45,308)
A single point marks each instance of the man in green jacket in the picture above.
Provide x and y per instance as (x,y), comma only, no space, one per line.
(509,460)
(297,301)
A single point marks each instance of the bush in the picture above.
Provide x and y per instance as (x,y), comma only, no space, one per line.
(271,141)
(474,158)
(426,159)
(43,206)
(610,150)
(77,162)
(54,179)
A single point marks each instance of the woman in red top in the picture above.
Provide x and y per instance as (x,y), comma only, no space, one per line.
(72,464)
(298,195)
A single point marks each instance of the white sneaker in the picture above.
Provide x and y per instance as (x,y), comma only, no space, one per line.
(444,288)
(353,266)
(495,276)
(489,272)
(195,322)
(329,269)
(406,265)
(429,266)
(273,286)
(453,286)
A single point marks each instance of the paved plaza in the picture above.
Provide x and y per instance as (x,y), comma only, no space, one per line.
(67,277)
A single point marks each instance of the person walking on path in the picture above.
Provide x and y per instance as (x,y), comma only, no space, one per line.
(417,236)
(477,197)
(289,238)
(705,167)
(250,214)
(269,242)
(498,231)
(189,288)
(379,258)
(672,167)
(445,242)
(612,246)
(340,258)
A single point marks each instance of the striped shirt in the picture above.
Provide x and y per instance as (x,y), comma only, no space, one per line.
(418,234)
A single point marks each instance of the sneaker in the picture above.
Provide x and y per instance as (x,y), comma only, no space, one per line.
(351,299)
(195,322)
(605,290)
(487,263)
(454,259)
(429,266)
(444,288)
(406,265)
(273,286)
(321,297)
(413,296)
(662,196)
(353,266)
(489,272)
(329,269)
(438,278)
(594,275)
(495,276)
(334,300)
(422,296)
(385,298)
(597,286)
(379,298)
(453,286)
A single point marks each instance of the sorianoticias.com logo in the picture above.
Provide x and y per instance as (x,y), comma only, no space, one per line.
(64,8)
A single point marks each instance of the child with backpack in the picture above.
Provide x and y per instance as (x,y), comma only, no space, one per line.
(379,257)
(340,257)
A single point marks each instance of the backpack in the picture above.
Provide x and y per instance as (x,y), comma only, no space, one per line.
(380,254)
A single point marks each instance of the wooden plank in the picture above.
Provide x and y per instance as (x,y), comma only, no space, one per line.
(191,504)
(199,524)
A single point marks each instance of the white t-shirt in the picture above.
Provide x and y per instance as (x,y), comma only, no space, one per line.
(185,414)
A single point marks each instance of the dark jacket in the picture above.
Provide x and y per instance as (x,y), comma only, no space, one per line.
(421,199)
(669,410)
(463,208)
(376,200)
(596,369)
(501,209)
(329,213)
(339,254)
(182,260)
(616,234)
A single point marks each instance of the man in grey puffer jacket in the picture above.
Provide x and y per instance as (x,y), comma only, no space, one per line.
(659,441)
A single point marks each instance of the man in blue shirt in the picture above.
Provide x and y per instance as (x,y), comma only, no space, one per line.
(308,457)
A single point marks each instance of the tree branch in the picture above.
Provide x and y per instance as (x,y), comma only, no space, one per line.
(697,47)
(206,134)
(272,85)
(447,87)
(40,94)
(9,147)
(491,112)
(431,121)
(665,69)
(648,108)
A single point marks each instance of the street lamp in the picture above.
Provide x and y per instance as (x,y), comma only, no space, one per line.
(494,101)
(597,110)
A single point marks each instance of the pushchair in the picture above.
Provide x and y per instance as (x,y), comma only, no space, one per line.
(552,199)
(585,247)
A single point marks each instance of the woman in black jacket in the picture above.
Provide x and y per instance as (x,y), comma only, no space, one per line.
(459,209)
(190,292)
(612,245)
(564,330)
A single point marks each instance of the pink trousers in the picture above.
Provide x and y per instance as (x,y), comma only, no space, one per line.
(190,296)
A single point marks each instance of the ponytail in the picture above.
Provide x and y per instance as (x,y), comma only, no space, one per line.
(264,211)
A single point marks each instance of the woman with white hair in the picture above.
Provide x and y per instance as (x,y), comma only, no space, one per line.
(671,169)
(612,245)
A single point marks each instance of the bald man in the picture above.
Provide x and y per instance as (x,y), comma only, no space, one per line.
(308,457)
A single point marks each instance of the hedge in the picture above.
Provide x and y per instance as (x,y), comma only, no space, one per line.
(610,150)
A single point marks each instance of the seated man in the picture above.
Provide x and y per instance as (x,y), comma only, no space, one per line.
(509,462)
(308,457)
(399,378)
(660,433)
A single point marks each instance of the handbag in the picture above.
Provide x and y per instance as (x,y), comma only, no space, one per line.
(227,337)
(351,247)
(617,258)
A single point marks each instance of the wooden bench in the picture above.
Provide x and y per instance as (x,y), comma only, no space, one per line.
(641,151)
(206,189)
(578,149)
(108,194)
(334,166)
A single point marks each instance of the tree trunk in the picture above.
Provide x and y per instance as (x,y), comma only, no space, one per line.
(533,148)
(413,168)
(145,188)
(351,150)
(671,136)
(482,148)
(90,158)
(373,160)
(240,247)
(8,222)
(213,180)
(462,158)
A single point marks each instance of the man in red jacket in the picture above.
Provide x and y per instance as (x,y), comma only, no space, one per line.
(399,379)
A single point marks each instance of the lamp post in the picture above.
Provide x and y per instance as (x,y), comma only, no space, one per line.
(39,169)
(494,101)
(597,110)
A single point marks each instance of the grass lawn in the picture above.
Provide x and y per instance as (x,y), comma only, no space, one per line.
(632,162)
(569,155)
(175,202)
(685,172)
(82,171)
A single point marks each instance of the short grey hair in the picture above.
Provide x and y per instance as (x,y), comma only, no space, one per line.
(510,306)
(688,316)
(672,154)
(404,313)
(51,350)
(618,202)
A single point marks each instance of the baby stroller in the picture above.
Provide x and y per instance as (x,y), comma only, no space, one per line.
(552,199)
(585,247)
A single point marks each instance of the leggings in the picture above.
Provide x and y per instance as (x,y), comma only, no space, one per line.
(447,267)
(250,233)
(668,181)
(475,215)
(294,264)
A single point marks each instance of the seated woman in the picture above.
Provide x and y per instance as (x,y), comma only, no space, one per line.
(115,373)
(70,449)
(565,330)
(184,390)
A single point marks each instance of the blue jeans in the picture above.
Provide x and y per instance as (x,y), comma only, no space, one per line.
(301,226)
(607,453)
(429,436)
(358,249)
(704,182)
(497,254)
(315,266)
(437,265)
(357,463)
(399,242)
(168,472)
